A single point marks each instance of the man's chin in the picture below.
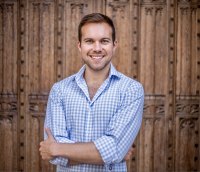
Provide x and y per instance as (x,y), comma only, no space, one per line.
(97,68)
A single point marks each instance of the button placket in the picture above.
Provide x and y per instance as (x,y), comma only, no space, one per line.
(88,124)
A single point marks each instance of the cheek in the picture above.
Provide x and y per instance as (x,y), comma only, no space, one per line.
(85,49)
(109,50)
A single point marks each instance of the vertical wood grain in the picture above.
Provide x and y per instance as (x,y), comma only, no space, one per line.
(186,87)
(42,71)
(8,85)
(120,13)
(6,145)
(8,52)
(34,144)
(34,24)
(47,48)
(187,50)
(153,45)
(1,47)
(141,148)
(158,142)
(187,140)
(147,144)
(193,48)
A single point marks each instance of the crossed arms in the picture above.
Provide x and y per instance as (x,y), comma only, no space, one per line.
(113,147)
(77,153)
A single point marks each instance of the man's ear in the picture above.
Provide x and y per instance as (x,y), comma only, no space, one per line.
(115,45)
(79,45)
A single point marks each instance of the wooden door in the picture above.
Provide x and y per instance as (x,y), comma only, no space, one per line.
(158,45)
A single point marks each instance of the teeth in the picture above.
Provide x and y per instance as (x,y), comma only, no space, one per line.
(97,57)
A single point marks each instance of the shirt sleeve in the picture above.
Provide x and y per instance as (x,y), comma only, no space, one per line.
(56,121)
(123,127)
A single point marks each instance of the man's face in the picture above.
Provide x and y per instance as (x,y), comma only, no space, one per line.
(96,45)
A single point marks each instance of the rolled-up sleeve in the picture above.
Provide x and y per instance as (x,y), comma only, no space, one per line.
(56,121)
(123,127)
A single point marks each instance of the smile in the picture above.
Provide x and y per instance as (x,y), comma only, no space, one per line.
(96,57)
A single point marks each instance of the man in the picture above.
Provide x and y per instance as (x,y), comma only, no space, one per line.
(94,115)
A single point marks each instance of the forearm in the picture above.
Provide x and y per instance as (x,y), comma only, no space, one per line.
(79,152)
(71,162)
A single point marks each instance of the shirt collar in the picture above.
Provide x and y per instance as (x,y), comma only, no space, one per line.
(113,72)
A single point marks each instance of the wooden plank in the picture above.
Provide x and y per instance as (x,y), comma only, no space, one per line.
(8,133)
(120,13)
(193,50)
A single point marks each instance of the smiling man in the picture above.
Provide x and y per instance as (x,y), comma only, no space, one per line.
(93,116)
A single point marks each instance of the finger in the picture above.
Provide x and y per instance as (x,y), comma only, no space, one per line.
(47,130)
(130,150)
(129,154)
(126,158)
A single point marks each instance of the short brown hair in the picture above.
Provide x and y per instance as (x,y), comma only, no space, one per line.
(96,18)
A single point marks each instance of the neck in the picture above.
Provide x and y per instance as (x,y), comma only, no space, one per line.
(96,77)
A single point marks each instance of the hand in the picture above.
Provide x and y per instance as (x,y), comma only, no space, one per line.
(46,146)
(128,154)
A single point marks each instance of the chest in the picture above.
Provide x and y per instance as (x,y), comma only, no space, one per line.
(92,90)
(85,121)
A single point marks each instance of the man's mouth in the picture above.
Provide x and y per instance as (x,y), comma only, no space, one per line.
(97,56)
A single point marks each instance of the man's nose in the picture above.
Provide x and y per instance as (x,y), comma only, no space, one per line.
(97,46)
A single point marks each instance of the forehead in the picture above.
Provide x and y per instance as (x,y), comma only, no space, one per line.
(96,30)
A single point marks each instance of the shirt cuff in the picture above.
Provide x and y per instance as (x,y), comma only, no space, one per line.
(107,149)
(59,161)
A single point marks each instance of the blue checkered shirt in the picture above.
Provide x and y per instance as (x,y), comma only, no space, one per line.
(111,119)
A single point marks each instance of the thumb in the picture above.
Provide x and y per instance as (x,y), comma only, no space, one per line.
(47,130)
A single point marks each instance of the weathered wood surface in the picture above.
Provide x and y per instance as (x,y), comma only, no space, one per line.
(158,45)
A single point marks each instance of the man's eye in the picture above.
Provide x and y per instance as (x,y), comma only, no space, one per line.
(89,41)
(104,41)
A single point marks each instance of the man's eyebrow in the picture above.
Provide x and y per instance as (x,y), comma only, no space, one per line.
(106,38)
(87,39)
(92,38)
